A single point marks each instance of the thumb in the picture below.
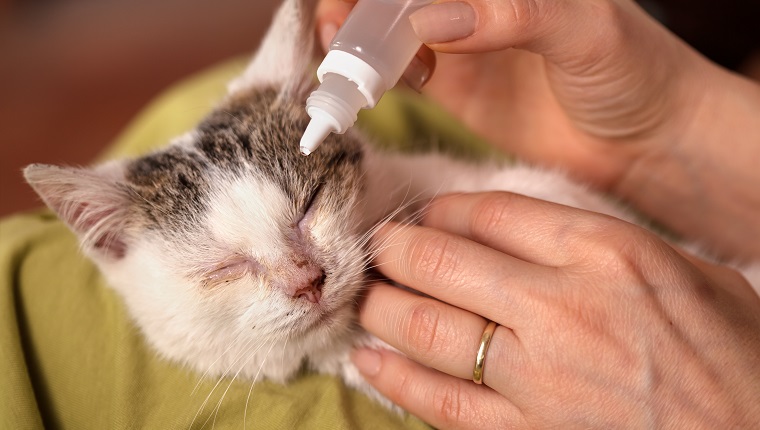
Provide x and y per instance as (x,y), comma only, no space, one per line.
(611,67)
(557,30)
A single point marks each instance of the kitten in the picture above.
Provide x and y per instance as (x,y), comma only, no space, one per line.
(232,250)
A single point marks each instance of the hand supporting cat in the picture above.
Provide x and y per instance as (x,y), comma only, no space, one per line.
(233,253)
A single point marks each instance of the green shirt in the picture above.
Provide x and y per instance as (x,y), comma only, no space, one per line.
(70,356)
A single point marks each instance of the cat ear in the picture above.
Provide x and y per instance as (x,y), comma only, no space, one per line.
(92,202)
(285,56)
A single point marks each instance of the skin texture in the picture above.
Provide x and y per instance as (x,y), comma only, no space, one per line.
(602,324)
(602,91)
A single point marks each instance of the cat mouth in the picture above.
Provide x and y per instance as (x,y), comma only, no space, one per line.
(326,310)
(323,318)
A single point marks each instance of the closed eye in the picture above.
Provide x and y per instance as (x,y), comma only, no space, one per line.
(228,271)
(307,215)
(312,198)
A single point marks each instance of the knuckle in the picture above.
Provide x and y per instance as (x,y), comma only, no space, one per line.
(609,243)
(620,250)
(402,388)
(423,335)
(436,258)
(452,404)
(490,215)
(624,254)
(522,13)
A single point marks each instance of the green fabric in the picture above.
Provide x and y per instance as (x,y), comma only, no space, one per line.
(70,357)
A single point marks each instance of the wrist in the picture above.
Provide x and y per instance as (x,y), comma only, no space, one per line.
(699,176)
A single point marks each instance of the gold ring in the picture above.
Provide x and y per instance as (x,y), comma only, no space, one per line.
(480,359)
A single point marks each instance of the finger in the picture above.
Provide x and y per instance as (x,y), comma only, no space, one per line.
(436,334)
(551,28)
(419,71)
(438,399)
(459,271)
(593,49)
(330,16)
(533,230)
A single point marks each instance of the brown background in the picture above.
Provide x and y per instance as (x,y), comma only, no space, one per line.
(73,72)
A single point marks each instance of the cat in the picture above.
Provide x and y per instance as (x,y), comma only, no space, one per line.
(230,249)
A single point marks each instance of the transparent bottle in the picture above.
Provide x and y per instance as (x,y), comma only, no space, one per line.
(366,58)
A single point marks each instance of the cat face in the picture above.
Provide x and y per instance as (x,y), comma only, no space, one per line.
(228,232)
(230,240)
(258,238)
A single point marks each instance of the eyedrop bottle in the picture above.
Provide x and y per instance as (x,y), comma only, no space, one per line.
(366,58)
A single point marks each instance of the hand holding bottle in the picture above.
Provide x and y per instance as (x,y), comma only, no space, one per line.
(366,58)
(601,90)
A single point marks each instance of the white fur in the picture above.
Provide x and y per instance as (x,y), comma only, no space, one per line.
(245,326)
(250,327)
(394,177)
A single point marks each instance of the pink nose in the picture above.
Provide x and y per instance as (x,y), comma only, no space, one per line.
(303,279)
(311,290)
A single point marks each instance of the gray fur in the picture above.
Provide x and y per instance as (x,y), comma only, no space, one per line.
(258,132)
(209,270)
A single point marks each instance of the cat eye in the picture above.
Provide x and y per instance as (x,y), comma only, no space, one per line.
(229,271)
(312,198)
(307,212)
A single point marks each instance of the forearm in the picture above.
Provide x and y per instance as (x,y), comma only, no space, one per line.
(705,183)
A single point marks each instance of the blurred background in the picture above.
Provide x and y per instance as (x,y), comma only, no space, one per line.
(74,72)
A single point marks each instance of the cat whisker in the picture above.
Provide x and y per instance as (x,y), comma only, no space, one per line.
(386,243)
(375,266)
(232,344)
(242,366)
(245,349)
(247,401)
(411,219)
(366,238)
(256,378)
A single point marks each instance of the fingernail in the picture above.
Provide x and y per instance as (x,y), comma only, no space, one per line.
(367,360)
(416,74)
(326,34)
(444,22)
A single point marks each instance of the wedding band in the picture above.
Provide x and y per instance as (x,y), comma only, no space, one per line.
(480,359)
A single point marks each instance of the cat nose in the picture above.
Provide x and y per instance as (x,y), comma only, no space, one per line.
(311,290)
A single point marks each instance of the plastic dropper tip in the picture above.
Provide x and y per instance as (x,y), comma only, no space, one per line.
(316,132)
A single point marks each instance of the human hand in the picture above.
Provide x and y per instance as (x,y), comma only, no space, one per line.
(605,73)
(601,323)
(602,91)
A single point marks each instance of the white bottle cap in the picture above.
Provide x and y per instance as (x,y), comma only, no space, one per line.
(347,85)
(369,82)
(320,126)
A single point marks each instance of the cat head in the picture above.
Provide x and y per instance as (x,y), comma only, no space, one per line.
(229,233)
